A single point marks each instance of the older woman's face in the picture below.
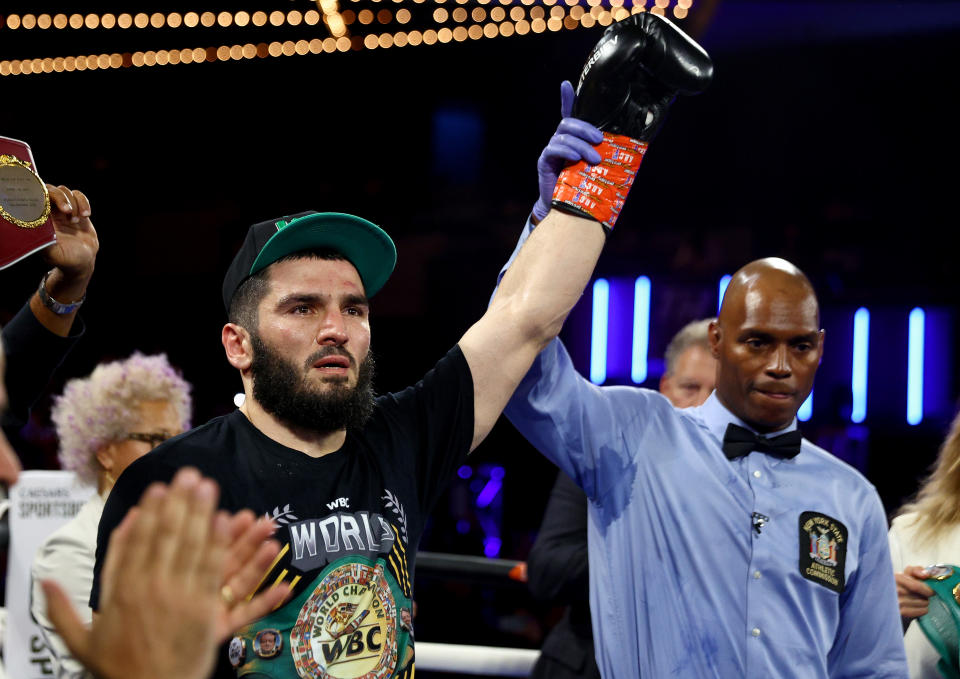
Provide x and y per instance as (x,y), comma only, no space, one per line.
(156,422)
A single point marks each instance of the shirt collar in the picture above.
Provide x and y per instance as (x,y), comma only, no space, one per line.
(716,416)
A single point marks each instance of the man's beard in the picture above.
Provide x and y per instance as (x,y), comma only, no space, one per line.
(282,390)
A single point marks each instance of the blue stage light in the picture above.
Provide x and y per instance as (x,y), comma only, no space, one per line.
(858,377)
(917,328)
(598,335)
(724,282)
(491,547)
(485,497)
(641,329)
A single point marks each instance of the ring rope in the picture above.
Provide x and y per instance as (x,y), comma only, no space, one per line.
(489,661)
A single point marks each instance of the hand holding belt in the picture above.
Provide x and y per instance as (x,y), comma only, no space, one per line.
(942,623)
(738,442)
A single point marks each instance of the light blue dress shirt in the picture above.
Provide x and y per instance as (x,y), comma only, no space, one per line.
(682,583)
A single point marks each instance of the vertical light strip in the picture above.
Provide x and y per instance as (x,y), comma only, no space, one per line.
(598,333)
(858,377)
(915,366)
(641,329)
(806,408)
(724,282)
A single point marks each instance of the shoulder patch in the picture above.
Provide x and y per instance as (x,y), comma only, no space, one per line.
(823,550)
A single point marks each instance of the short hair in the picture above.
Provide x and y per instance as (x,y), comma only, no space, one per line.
(692,334)
(246,300)
(96,410)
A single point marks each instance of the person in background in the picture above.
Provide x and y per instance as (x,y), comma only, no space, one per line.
(40,335)
(691,370)
(105,421)
(173,588)
(926,532)
(557,568)
(37,339)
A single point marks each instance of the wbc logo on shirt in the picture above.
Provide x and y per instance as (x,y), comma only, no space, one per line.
(823,550)
(347,628)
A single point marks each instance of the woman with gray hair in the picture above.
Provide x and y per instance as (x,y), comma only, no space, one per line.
(104,422)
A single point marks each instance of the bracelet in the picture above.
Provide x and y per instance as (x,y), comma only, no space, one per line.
(56,307)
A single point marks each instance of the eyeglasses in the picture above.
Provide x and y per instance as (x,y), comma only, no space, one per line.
(153,438)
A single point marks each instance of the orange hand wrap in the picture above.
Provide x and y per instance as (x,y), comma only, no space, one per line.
(601,190)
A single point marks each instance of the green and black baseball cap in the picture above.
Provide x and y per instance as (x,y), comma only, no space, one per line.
(364,244)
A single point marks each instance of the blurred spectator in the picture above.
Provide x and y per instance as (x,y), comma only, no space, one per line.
(37,339)
(104,422)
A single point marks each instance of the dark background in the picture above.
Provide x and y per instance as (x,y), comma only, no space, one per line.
(827,137)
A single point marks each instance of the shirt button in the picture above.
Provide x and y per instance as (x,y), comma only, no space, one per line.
(756,575)
(755,631)
(757,474)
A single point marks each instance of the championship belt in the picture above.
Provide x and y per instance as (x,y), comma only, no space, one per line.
(25,225)
(942,623)
(353,621)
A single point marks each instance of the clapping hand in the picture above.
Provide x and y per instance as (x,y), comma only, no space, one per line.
(175,583)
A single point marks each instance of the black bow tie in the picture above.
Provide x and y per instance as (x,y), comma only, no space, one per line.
(738,442)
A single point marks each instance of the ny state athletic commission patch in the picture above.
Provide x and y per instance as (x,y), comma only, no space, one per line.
(823,550)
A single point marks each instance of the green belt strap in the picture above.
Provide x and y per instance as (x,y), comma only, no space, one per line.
(942,623)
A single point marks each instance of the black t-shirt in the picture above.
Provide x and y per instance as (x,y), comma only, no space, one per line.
(349,525)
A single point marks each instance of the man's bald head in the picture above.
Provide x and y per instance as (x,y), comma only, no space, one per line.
(768,343)
(770,278)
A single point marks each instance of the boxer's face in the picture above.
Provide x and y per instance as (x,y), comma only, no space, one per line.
(317,316)
(768,344)
(311,364)
(692,379)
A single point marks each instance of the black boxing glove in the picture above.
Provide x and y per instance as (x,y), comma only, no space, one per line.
(634,72)
(628,82)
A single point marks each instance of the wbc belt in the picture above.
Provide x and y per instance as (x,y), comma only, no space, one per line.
(942,623)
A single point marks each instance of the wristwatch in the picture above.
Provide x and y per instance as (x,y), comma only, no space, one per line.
(56,307)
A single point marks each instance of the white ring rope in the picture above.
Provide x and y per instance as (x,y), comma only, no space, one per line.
(489,661)
(478,660)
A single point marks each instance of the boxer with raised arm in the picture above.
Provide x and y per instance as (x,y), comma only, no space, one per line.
(348,477)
